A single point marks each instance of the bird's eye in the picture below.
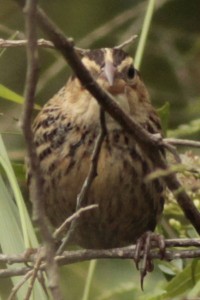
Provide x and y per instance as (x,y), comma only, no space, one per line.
(131,72)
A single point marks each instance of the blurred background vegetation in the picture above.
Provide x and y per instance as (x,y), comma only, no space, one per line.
(171,71)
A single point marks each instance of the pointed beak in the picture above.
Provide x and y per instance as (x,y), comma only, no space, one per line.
(109,72)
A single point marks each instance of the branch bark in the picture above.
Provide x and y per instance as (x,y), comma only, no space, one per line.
(182,142)
(69,257)
(37,192)
(22,43)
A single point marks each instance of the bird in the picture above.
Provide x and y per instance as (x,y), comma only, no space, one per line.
(65,132)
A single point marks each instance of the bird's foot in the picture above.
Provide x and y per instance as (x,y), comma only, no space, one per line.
(142,253)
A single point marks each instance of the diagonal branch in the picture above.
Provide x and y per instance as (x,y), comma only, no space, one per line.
(16,288)
(73,217)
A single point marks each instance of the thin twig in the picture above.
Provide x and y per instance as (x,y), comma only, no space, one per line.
(74,216)
(4,273)
(172,149)
(37,192)
(34,274)
(41,279)
(15,258)
(81,199)
(22,43)
(182,142)
(94,162)
(16,288)
(127,42)
(41,43)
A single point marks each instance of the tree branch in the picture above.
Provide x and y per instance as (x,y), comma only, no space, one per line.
(22,43)
(19,285)
(73,217)
(69,257)
(37,192)
(182,142)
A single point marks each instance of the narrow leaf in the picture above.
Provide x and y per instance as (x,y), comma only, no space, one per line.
(8,94)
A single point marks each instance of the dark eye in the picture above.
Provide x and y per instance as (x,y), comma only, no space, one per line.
(131,72)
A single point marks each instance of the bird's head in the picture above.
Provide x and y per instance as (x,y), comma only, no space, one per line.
(112,68)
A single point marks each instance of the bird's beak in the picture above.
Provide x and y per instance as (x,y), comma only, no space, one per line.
(109,72)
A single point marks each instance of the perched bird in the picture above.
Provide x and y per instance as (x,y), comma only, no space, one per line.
(65,132)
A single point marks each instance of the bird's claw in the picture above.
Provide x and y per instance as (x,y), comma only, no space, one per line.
(142,256)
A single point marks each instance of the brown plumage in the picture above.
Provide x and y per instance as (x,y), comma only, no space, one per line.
(64,133)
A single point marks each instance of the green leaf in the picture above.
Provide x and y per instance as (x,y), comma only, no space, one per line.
(90,274)
(181,283)
(8,94)
(27,228)
(16,229)
(11,239)
(145,29)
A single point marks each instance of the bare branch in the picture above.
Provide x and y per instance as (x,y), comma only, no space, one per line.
(172,149)
(34,275)
(22,43)
(41,43)
(129,41)
(69,257)
(19,285)
(74,216)
(94,161)
(31,81)
(30,274)
(182,142)
(37,192)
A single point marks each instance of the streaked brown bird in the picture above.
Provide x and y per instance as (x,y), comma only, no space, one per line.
(64,134)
